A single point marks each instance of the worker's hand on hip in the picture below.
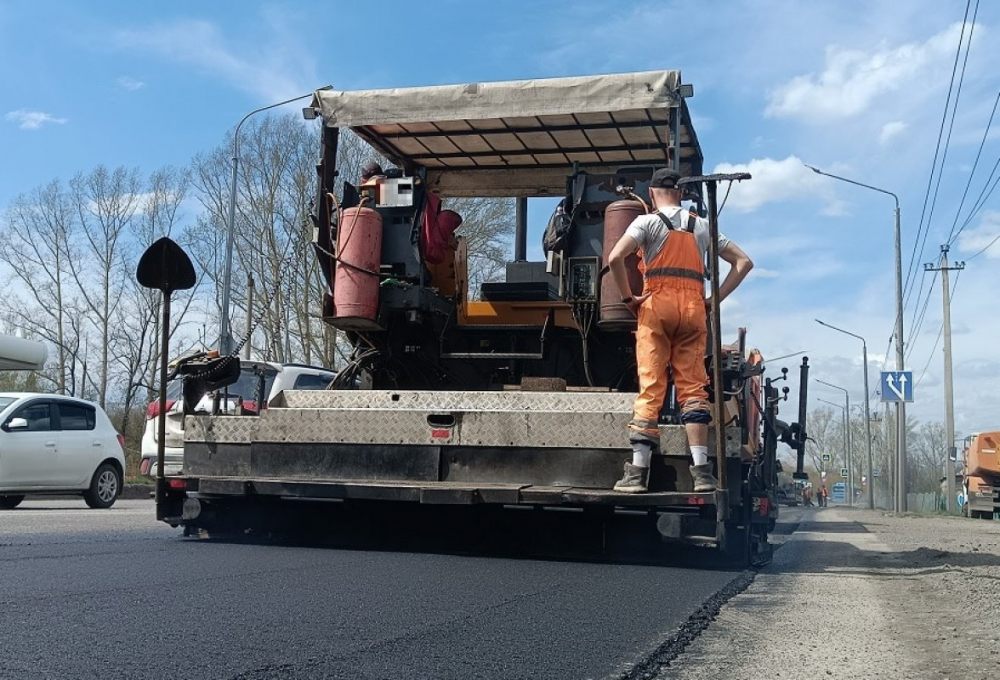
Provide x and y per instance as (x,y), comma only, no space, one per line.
(636,302)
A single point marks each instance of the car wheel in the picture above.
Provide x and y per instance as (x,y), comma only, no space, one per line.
(104,487)
(10,502)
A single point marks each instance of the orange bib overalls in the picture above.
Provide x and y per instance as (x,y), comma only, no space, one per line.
(672,333)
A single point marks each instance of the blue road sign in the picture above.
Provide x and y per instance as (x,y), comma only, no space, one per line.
(897,386)
(838,492)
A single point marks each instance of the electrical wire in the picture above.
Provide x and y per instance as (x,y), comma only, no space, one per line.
(984,196)
(951,233)
(910,271)
(951,126)
(983,249)
(919,322)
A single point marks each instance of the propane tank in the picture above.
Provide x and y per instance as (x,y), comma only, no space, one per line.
(617,217)
(359,255)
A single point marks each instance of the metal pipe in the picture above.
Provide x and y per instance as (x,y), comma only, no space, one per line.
(521,228)
(161,419)
(713,259)
(803,408)
(249,340)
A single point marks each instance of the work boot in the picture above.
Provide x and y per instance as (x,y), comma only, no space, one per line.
(634,480)
(704,480)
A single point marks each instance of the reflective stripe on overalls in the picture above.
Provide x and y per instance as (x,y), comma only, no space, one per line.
(672,333)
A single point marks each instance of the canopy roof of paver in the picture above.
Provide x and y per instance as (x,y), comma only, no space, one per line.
(522,137)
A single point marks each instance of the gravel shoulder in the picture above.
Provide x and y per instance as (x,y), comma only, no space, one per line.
(861,594)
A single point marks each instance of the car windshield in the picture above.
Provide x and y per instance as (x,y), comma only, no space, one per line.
(175,390)
(6,401)
(246,386)
(313,381)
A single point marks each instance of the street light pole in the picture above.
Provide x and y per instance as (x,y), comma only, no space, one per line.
(225,334)
(847,439)
(843,420)
(868,418)
(900,499)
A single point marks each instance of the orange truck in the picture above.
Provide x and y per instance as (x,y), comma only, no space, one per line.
(982,475)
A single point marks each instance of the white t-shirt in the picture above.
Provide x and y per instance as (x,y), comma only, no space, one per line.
(651,233)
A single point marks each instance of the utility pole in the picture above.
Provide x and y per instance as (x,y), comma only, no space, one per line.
(949,400)
(249,340)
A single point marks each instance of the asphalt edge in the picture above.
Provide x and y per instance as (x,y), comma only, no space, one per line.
(668,650)
(653,663)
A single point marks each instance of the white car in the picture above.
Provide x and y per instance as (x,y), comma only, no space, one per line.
(242,400)
(54,444)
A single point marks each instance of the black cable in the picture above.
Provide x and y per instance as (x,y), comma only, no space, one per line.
(984,196)
(937,149)
(984,249)
(919,323)
(947,143)
(975,164)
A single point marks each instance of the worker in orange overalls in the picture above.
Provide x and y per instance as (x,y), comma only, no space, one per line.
(672,329)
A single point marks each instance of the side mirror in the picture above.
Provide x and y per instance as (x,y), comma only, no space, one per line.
(16,424)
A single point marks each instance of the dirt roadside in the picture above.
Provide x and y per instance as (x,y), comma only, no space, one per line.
(861,594)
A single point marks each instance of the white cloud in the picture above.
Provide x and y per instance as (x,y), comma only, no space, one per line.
(33,120)
(268,70)
(764,273)
(890,130)
(852,80)
(985,235)
(774,181)
(130,84)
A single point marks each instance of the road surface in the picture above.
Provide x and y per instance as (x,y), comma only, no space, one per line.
(112,593)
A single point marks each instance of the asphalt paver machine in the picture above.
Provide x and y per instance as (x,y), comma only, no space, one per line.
(515,392)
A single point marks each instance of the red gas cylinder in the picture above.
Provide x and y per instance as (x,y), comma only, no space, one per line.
(617,217)
(359,254)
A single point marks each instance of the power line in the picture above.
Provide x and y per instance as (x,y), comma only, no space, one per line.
(984,196)
(947,143)
(983,250)
(911,268)
(915,329)
(975,165)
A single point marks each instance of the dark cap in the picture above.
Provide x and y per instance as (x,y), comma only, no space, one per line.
(664,178)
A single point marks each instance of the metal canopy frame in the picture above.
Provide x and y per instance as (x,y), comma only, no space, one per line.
(538,132)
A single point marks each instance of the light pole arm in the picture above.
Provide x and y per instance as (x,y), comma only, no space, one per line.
(836,387)
(855,183)
(225,334)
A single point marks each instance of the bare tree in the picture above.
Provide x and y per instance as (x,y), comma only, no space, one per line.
(136,334)
(34,246)
(106,202)
(487,226)
(273,232)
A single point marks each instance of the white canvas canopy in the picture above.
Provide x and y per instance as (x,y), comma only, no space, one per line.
(522,137)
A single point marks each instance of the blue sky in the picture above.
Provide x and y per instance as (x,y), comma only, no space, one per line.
(855,87)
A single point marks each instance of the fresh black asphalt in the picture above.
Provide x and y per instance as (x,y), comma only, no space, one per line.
(101,594)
